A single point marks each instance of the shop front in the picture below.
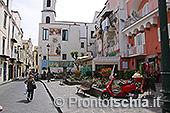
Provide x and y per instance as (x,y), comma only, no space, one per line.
(101,62)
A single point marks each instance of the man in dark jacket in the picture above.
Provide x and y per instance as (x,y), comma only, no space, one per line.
(49,74)
(30,89)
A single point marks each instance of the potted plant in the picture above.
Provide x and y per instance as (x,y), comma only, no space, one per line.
(77,72)
(105,72)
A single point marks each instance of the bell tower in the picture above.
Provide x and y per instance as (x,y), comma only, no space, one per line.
(48,12)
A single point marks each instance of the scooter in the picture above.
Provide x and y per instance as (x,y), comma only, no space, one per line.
(128,88)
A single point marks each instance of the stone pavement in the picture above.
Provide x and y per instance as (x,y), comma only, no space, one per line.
(65,91)
(13,100)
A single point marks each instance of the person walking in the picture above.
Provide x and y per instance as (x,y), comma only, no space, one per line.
(30,89)
(49,74)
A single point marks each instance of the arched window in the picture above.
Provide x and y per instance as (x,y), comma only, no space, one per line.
(48,3)
(145,9)
(47,19)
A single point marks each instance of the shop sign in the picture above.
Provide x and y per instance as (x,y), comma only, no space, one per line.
(44,63)
(61,63)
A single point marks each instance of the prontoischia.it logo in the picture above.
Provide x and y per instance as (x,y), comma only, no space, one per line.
(112,102)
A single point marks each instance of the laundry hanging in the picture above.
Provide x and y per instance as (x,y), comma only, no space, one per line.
(105,24)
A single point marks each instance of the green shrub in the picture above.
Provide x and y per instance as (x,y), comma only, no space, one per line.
(126,74)
(95,74)
(89,74)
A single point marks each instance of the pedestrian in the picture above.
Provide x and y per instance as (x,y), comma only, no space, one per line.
(49,74)
(30,81)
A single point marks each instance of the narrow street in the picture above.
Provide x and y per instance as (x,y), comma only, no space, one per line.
(13,100)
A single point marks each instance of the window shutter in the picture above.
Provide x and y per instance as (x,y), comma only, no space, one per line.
(159,36)
(143,38)
(135,41)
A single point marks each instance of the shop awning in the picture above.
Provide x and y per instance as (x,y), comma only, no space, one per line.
(106,60)
(151,56)
(83,58)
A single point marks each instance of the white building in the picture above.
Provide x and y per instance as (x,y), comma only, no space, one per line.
(63,37)
(10,42)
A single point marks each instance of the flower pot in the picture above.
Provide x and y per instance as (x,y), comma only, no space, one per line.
(105,75)
(78,73)
(138,79)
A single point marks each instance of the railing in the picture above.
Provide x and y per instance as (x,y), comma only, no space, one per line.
(153,4)
(7,52)
(138,50)
(131,51)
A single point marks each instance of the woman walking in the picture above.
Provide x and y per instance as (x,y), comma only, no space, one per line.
(30,88)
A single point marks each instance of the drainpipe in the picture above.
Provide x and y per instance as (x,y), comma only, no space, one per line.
(165,53)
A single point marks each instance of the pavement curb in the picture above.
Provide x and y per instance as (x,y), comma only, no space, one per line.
(51,96)
(16,79)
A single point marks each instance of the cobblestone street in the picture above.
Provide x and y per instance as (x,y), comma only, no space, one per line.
(65,91)
(13,100)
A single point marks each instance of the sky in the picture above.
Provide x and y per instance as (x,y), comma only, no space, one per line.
(66,10)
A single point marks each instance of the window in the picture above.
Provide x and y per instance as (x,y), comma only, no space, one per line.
(15,50)
(3,46)
(12,31)
(82,44)
(7,3)
(5,19)
(36,58)
(159,36)
(26,61)
(45,34)
(92,33)
(65,35)
(140,39)
(47,19)
(124,64)
(145,9)
(64,56)
(23,47)
(108,6)
(48,3)
(11,51)
(44,57)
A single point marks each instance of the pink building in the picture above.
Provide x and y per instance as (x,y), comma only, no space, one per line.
(141,34)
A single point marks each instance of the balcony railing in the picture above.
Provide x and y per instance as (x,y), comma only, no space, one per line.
(153,4)
(135,51)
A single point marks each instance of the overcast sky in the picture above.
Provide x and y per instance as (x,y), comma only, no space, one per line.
(66,10)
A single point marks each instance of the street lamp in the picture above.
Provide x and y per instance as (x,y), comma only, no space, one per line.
(165,61)
(48,48)
(48,74)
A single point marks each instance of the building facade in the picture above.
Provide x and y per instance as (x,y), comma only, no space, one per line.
(57,39)
(141,34)
(35,55)
(27,56)
(107,29)
(10,42)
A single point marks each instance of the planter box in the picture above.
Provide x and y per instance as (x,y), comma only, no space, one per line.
(94,92)
(68,82)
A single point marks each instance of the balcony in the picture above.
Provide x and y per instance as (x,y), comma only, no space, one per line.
(14,40)
(139,19)
(136,51)
(13,56)
(20,61)
(5,53)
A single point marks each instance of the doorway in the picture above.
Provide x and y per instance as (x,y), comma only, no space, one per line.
(4,71)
